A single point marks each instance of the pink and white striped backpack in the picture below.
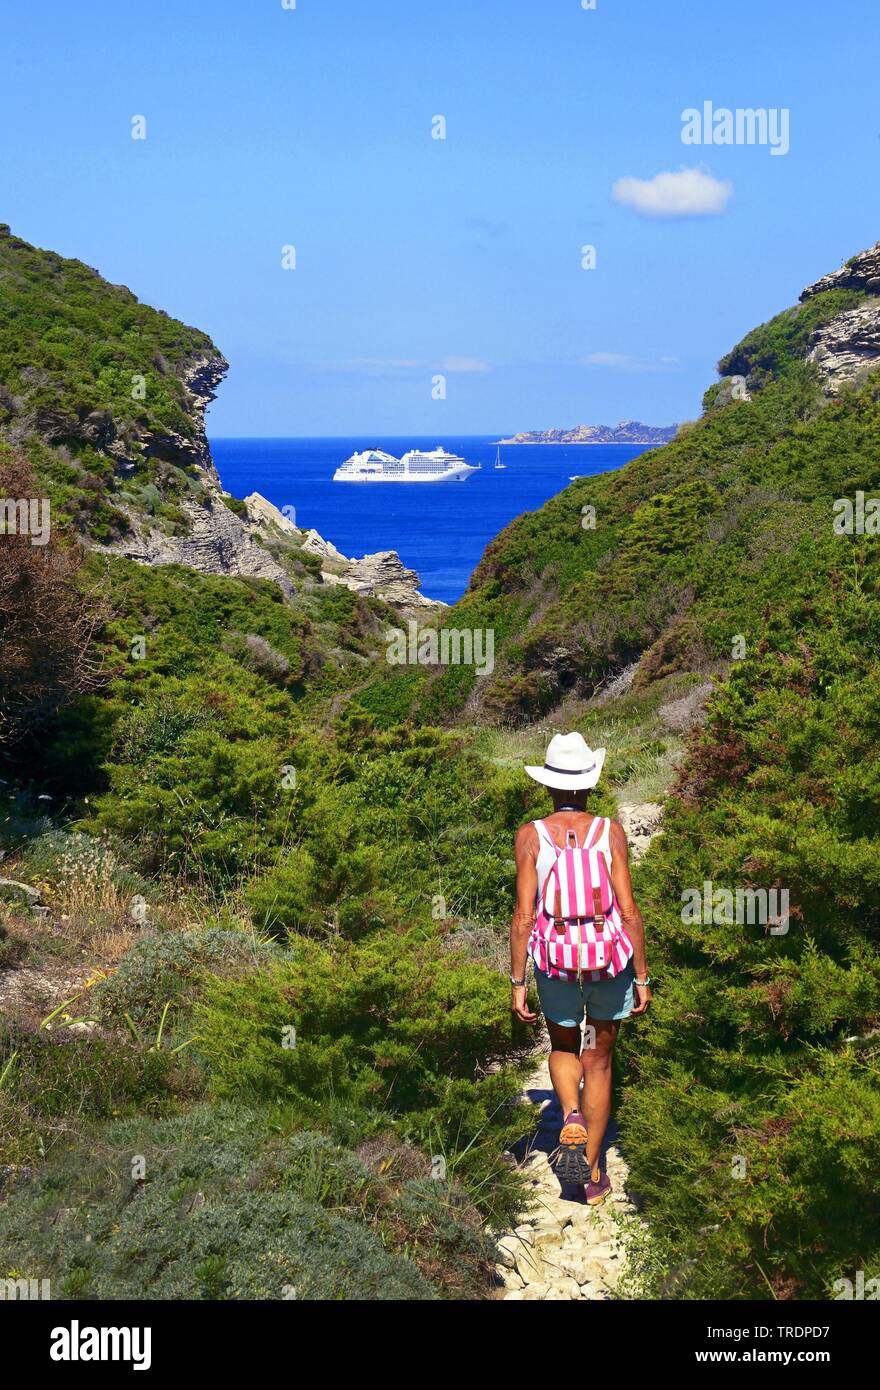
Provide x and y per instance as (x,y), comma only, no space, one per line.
(578,928)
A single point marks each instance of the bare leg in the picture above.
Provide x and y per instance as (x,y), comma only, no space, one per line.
(565,1065)
(596,1063)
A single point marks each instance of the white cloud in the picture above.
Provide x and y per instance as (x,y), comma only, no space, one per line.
(622,362)
(464,364)
(606,359)
(374,364)
(388,366)
(689,193)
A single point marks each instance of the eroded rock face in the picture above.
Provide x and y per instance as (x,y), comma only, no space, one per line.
(381,575)
(200,374)
(385,576)
(218,542)
(262,512)
(861,273)
(316,545)
(848,347)
(201,378)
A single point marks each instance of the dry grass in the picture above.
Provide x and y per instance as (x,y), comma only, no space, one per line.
(643,731)
(99,906)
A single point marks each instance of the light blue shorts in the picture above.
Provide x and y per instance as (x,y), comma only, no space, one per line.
(564,1001)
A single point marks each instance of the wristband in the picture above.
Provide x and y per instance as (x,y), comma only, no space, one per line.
(643,984)
(517,984)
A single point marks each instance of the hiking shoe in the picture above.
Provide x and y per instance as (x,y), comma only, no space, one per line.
(596,1191)
(571,1157)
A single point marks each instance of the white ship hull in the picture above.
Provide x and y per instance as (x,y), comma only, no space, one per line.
(451,475)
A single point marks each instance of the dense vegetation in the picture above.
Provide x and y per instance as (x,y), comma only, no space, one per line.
(70,343)
(320,845)
(666,575)
(292,874)
(93,387)
(753,1114)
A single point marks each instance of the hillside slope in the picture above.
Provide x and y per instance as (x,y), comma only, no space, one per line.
(745,552)
(226,876)
(106,398)
(660,563)
(253,827)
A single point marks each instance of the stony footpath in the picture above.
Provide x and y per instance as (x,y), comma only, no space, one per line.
(641,822)
(564,1249)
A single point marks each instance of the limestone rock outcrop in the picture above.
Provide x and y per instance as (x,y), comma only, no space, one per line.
(845,349)
(861,272)
(262,512)
(217,542)
(381,575)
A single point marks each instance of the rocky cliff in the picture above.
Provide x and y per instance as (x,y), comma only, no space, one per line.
(218,541)
(107,398)
(848,347)
(680,535)
(380,575)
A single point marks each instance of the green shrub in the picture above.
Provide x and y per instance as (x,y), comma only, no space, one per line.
(167,966)
(236,505)
(224,1207)
(776,346)
(69,855)
(52,1086)
(70,347)
(391,1026)
(751,1108)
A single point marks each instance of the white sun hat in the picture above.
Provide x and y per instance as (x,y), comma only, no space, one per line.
(570,764)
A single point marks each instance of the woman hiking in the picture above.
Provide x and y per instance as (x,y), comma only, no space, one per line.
(577,919)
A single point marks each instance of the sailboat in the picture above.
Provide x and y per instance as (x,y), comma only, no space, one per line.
(498,463)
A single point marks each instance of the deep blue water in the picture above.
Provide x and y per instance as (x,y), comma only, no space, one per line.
(439,530)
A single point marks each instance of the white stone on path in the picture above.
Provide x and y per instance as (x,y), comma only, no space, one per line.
(562,1249)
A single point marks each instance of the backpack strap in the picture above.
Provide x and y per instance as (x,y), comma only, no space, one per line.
(596,832)
(541,829)
(588,843)
(598,914)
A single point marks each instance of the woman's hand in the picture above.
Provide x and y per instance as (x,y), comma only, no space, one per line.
(643,999)
(519,1004)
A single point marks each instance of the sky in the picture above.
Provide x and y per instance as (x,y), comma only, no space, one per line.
(440,285)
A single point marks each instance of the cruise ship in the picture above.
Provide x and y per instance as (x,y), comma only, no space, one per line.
(416,466)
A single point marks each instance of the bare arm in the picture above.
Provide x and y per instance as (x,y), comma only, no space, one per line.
(523,918)
(629,911)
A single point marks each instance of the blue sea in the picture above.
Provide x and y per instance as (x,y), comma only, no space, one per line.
(438,530)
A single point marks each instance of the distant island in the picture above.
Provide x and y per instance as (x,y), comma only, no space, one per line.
(625,432)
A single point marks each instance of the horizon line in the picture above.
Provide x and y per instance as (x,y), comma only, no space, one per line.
(450,434)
